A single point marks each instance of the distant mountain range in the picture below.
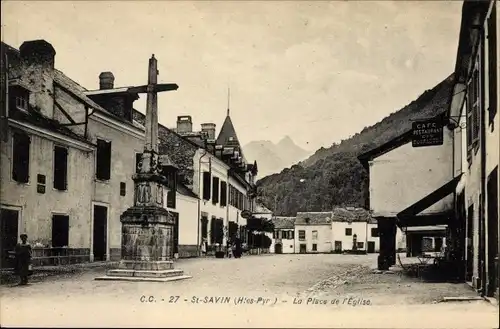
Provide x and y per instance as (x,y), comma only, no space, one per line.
(333,176)
(273,158)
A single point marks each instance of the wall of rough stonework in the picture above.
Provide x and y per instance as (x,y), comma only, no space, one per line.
(180,151)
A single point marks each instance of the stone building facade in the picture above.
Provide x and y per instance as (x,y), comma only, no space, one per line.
(68,155)
(474,117)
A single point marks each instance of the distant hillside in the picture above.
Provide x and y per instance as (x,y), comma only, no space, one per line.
(272,158)
(333,176)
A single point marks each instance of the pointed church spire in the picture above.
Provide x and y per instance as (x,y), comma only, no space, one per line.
(228,99)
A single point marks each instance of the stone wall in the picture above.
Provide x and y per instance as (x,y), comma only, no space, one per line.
(188,251)
(180,150)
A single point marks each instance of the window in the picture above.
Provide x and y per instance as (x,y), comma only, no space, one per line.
(204,227)
(60,231)
(274,234)
(206,185)
(374,232)
(360,245)
(215,190)
(302,235)
(20,157)
(171,198)
(22,103)
(212,230)
(223,194)
(60,168)
(348,231)
(40,184)
(123,188)
(473,109)
(103,170)
(138,157)
(315,235)
(292,235)
(314,247)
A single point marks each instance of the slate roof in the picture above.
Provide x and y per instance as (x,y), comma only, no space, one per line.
(283,222)
(261,209)
(184,190)
(38,119)
(338,214)
(314,218)
(75,89)
(349,214)
(227,132)
(78,91)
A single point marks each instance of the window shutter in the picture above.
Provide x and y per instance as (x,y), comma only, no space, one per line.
(103,170)
(60,168)
(204,227)
(492,64)
(223,194)
(21,157)
(215,190)
(212,230)
(206,185)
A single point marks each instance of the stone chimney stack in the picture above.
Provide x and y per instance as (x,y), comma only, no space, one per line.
(38,59)
(209,129)
(184,124)
(106,80)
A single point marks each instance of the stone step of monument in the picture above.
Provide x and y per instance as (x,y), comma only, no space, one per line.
(146,265)
(145,273)
(143,279)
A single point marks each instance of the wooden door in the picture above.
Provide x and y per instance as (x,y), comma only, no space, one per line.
(9,226)
(100,232)
(278,248)
(371,247)
(492,188)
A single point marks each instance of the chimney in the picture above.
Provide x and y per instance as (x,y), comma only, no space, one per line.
(209,129)
(38,58)
(106,80)
(184,124)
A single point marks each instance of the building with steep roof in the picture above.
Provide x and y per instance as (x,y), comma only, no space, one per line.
(283,239)
(313,232)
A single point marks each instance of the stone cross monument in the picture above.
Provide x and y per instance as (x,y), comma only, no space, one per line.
(147,227)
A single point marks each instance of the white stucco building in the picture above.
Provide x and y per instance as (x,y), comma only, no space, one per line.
(411,185)
(283,238)
(313,232)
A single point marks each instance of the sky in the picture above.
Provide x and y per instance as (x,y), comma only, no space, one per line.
(317,71)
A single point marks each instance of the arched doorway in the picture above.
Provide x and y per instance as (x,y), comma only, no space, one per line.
(278,248)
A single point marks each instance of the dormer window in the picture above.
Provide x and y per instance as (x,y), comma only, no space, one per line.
(231,138)
(19,95)
(22,103)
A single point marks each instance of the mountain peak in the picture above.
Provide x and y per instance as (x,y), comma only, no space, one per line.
(272,158)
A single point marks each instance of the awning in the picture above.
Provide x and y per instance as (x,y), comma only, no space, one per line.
(408,217)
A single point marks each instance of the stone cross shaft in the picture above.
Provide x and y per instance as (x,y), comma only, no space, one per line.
(149,161)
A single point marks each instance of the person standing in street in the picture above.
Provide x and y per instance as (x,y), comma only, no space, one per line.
(204,247)
(23,259)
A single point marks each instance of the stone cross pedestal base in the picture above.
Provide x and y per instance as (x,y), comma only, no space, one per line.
(156,271)
(146,247)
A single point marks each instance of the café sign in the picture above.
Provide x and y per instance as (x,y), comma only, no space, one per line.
(427,132)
